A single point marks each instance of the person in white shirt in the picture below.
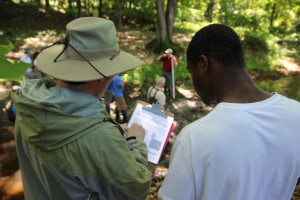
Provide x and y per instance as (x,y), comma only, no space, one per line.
(26,57)
(156,93)
(247,147)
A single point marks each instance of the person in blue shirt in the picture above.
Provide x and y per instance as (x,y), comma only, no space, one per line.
(118,87)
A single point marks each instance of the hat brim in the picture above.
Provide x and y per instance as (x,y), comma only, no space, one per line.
(81,71)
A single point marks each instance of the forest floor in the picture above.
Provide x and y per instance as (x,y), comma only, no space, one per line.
(187,106)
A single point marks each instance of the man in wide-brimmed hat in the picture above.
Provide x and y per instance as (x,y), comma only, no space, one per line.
(68,145)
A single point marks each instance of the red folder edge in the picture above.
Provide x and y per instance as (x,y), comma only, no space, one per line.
(167,140)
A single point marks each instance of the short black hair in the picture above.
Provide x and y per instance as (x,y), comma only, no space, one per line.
(219,42)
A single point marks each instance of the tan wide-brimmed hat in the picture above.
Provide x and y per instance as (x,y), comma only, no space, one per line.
(89,52)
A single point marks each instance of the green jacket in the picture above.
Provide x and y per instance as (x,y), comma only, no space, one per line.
(69,148)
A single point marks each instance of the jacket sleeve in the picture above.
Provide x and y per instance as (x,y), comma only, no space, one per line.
(113,167)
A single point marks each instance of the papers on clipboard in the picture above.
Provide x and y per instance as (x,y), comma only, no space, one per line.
(158,126)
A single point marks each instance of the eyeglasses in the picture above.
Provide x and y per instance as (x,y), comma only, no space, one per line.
(67,44)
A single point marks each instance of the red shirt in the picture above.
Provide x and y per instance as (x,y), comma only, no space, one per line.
(167,65)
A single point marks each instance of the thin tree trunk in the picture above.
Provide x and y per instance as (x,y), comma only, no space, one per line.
(170,17)
(209,11)
(70,4)
(100,14)
(60,3)
(161,23)
(272,14)
(120,13)
(79,7)
(47,4)
(38,3)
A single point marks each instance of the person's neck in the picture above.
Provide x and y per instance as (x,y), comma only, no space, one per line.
(240,90)
(245,95)
(83,88)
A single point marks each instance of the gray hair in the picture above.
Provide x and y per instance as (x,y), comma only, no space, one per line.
(160,81)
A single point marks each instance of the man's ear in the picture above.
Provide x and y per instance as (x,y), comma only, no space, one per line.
(204,63)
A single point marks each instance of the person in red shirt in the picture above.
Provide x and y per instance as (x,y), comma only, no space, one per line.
(168,60)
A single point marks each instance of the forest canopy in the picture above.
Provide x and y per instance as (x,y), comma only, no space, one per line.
(262,25)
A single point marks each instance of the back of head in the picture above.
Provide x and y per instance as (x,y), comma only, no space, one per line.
(160,82)
(219,42)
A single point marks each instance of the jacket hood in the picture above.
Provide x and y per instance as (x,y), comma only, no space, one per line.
(49,118)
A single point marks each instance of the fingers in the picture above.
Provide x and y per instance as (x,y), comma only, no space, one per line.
(136,130)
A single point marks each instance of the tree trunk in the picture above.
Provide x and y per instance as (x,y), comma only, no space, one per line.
(70,4)
(120,15)
(47,4)
(78,7)
(100,14)
(60,4)
(38,3)
(164,25)
(209,11)
(272,14)
(161,31)
(170,17)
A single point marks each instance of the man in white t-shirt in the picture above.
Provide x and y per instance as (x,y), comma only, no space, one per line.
(156,94)
(247,147)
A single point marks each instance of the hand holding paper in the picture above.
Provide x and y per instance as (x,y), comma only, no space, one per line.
(157,127)
(136,130)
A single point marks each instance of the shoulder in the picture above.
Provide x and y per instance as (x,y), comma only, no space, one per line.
(203,127)
(105,133)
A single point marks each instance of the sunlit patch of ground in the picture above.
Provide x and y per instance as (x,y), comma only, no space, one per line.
(11,186)
(186,93)
(289,65)
(35,43)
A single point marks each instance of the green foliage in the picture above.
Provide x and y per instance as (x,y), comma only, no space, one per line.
(288,86)
(267,86)
(266,33)
(181,73)
(261,48)
(10,70)
(256,63)
(145,74)
(189,15)
(187,27)
(256,41)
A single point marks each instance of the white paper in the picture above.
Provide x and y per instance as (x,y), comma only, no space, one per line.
(156,127)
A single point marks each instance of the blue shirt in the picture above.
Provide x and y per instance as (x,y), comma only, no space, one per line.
(117,86)
(111,86)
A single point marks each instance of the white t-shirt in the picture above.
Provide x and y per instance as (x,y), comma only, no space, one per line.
(159,96)
(238,151)
(26,59)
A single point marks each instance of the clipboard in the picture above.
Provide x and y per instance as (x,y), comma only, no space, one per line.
(158,126)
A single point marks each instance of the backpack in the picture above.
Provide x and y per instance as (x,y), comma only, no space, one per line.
(152,99)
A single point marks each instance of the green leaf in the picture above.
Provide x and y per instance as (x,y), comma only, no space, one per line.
(10,70)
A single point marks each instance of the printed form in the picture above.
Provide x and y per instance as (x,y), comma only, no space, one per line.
(157,130)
